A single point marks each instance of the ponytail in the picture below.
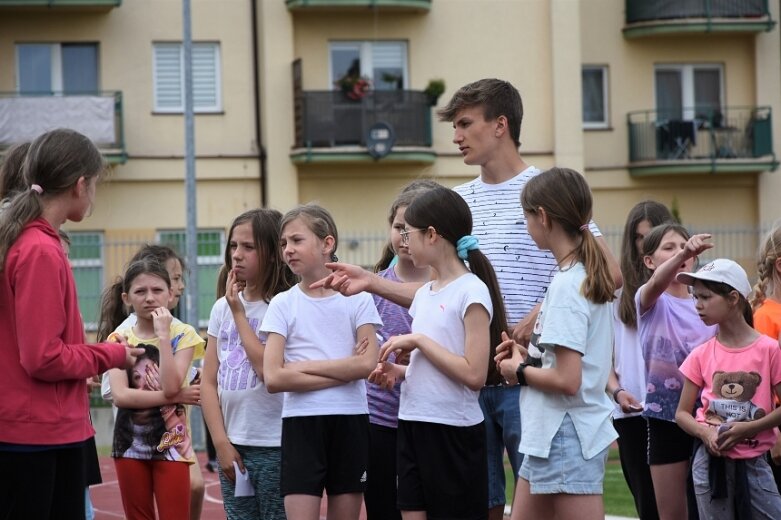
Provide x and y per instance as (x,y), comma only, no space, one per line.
(54,162)
(566,198)
(599,286)
(482,268)
(112,310)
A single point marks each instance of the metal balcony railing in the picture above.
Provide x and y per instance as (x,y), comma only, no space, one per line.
(650,10)
(648,17)
(96,115)
(410,5)
(330,118)
(697,134)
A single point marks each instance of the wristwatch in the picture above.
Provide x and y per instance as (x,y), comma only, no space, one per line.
(530,362)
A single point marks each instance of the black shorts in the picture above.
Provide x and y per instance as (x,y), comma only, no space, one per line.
(328,452)
(443,470)
(667,442)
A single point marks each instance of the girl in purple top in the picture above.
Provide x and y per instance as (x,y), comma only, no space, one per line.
(383,396)
(669,329)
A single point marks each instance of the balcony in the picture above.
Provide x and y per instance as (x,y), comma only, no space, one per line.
(735,140)
(98,116)
(419,6)
(70,5)
(330,127)
(654,17)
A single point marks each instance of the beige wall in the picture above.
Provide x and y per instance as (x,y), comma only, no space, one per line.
(154,173)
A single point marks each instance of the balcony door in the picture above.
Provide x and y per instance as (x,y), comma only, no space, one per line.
(688,91)
(383,63)
(46,68)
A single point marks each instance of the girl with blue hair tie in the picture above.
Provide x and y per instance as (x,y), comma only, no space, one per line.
(456,318)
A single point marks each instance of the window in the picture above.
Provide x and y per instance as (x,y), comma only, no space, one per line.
(594,86)
(384,63)
(211,247)
(169,77)
(688,91)
(86,257)
(44,68)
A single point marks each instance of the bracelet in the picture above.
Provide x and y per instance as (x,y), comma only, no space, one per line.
(615,393)
(520,375)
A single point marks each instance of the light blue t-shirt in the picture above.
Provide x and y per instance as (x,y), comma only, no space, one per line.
(568,320)
(668,332)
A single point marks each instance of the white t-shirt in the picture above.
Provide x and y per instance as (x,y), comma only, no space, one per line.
(568,319)
(252,416)
(522,269)
(628,360)
(321,329)
(427,394)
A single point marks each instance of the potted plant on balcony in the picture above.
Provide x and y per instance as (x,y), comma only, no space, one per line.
(354,87)
(434,89)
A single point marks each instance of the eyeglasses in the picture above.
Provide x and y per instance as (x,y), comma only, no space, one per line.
(405,235)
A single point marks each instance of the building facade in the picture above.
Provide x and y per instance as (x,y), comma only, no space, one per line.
(676,101)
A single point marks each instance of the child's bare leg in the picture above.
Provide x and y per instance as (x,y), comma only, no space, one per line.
(578,507)
(670,489)
(345,506)
(303,507)
(197,491)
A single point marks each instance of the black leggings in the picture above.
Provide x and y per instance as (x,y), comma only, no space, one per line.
(633,451)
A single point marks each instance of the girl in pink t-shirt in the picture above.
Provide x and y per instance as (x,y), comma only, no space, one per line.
(736,372)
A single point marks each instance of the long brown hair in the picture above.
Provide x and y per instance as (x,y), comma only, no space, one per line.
(405,198)
(274,276)
(566,198)
(445,210)
(654,213)
(55,161)
(112,306)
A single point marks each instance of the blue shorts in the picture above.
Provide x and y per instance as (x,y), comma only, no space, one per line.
(565,471)
(502,413)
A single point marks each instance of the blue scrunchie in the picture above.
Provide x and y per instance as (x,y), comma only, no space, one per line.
(465,244)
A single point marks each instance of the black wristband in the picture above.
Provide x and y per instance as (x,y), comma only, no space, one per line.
(520,375)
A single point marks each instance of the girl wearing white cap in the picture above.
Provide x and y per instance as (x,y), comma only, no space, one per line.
(736,373)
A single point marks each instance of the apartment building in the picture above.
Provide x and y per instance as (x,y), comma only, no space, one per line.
(301,100)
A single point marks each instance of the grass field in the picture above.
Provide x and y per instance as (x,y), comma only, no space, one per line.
(618,499)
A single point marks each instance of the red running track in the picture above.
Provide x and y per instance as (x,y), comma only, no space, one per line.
(108,504)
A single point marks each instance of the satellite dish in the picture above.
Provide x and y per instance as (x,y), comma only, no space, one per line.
(380,139)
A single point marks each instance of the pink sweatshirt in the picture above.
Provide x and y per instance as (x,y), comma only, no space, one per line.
(43,355)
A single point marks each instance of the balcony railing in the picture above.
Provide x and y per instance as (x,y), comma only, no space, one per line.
(98,116)
(645,17)
(326,119)
(730,140)
(93,5)
(396,5)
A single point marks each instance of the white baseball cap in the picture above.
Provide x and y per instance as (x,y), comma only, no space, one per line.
(720,270)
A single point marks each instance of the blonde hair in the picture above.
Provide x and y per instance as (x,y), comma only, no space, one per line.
(767,278)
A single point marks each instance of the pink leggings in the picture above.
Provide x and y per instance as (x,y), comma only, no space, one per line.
(143,482)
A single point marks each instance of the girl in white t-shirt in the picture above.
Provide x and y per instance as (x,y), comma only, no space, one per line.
(566,428)
(442,460)
(309,356)
(244,419)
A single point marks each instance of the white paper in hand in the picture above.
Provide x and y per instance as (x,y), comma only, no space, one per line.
(243,485)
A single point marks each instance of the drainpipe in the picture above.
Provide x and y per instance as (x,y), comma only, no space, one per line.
(256,94)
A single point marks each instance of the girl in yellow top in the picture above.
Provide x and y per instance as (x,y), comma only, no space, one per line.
(152,442)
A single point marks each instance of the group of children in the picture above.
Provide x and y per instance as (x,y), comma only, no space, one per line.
(310,384)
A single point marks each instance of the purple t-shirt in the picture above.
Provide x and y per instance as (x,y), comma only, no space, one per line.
(384,404)
(668,332)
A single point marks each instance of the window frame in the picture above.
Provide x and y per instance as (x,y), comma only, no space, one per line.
(57,86)
(201,261)
(215,109)
(605,123)
(365,56)
(687,71)
(89,263)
